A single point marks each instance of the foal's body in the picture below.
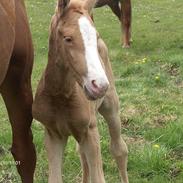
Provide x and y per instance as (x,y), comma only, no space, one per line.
(122,9)
(16,59)
(65,108)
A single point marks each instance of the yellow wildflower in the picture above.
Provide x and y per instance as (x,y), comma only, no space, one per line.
(144,60)
(156,146)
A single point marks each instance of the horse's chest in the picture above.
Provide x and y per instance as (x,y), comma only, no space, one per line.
(63,118)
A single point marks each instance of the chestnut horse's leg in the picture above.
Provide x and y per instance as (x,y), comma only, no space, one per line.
(122,9)
(113,4)
(55,150)
(17,94)
(115,7)
(126,22)
(110,111)
(90,151)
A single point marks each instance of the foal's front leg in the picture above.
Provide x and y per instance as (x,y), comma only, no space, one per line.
(110,111)
(55,150)
(90,151)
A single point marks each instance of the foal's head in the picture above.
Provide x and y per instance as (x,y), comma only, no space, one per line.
(77,46)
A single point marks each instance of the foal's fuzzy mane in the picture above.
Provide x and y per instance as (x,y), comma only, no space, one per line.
(79,6)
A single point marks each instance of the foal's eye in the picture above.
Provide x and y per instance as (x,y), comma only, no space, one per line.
(67,39)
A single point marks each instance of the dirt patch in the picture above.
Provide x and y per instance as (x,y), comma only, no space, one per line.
(137,140)
(179,83)
(177,153)
(162,119)
(127,114)
(174,172)
(1,151)
(131,111)
(172,69)
(8,178)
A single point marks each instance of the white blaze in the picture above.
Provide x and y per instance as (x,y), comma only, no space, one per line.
(89,35)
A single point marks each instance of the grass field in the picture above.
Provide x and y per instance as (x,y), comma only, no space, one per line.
(149,81)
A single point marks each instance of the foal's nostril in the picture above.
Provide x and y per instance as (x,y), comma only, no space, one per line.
(99,87)
(94,84)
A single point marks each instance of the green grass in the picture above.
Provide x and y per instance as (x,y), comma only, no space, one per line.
(149,81)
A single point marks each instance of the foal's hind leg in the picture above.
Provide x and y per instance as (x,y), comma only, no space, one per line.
(110,111)
(18,100)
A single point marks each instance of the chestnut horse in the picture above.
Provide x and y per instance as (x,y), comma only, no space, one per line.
(122,9)
(78,82)
(16,59)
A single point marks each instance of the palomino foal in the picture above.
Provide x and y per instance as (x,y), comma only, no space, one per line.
(73,87)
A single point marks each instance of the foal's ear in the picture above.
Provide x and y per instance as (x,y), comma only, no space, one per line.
(62,6)
(89,4)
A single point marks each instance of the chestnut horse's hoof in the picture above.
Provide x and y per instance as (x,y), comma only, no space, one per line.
(126,46)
